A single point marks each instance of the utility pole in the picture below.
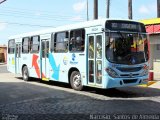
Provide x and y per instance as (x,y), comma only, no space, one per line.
(95,9)
(158,8)
(87,11)
(108,8)
(129,9)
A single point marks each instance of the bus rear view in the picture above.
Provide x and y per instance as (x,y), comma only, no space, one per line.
(126,50)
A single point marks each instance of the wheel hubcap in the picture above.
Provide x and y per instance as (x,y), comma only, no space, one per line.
(25,74)
(77,80)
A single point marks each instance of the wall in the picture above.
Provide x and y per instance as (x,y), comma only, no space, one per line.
(155,55)
(3,54)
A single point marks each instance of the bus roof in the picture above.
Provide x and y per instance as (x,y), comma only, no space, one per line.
(67,27)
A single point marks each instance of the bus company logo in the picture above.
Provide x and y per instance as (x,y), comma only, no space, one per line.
(130,75)
(65,60)
(73,57)
(73,61)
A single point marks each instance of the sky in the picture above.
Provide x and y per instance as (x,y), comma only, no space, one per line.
(21,16)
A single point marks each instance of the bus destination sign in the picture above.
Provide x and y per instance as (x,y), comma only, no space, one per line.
(125,26)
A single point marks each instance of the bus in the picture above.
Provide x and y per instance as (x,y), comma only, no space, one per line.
(105,53)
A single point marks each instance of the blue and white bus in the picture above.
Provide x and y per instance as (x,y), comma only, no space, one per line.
(106,53)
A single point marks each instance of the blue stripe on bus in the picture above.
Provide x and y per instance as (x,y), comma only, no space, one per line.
(55,68)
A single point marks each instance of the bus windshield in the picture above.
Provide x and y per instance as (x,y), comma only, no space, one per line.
(126,48)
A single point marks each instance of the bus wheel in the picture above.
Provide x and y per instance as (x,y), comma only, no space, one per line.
(25,73)
(75,81)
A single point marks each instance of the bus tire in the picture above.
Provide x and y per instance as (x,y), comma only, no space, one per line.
(25,73)
(76,81)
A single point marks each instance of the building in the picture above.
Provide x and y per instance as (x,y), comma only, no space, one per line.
(3,53)
(153,29)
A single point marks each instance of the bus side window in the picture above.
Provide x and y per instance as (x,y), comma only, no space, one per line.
(76,42)
(25,45)
(79,43)
(71,44)
(11,46)
(35,41)
(61,42)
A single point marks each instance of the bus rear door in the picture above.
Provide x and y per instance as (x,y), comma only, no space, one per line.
(95,59)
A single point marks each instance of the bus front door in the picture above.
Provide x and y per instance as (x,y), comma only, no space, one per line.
(44,59)
(17,58)
(95,59)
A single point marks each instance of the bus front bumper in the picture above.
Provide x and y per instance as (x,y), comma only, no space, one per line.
(124,82)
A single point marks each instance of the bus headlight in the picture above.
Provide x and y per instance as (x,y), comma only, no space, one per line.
(145,70)
(111,72)
(144,73)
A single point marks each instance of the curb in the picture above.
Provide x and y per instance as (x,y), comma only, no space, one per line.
(148,84)
(3,64)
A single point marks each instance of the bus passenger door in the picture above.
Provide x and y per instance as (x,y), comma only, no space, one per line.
(17,58)
(95,59)
(44,59)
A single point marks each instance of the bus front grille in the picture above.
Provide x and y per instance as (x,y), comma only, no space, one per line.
(129,75)
(127,81)
(126,69)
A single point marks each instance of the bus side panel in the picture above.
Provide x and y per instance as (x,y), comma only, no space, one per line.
(78,60)
(11,63)
(58,68)
(61,63)
(32,62)
(35,66)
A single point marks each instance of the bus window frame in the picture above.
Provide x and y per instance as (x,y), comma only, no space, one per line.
(12,47)
(52,43)
(83,40)
(31,44)
(64,42)
(29,40)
